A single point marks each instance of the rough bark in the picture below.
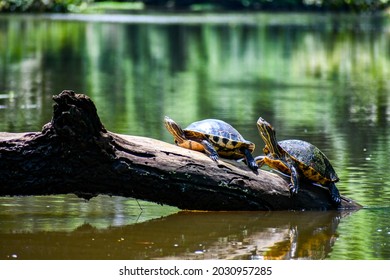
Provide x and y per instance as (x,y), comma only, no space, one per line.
(74,153)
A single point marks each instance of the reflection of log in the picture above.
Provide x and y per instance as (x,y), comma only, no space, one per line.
(74,153)
(186,235)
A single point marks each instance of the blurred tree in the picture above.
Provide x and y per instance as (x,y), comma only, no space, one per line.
(319,5)
(273,5)
(39,5)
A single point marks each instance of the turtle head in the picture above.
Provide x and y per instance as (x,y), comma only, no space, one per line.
(266,130)
(268,135)
(174,129)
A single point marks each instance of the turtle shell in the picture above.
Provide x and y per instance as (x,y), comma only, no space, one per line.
(311,161)
(225,138)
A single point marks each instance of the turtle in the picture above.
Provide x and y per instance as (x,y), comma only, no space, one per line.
(214,137)
(299,159)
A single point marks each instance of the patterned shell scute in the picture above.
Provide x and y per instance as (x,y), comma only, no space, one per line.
(219,132)
(311,159)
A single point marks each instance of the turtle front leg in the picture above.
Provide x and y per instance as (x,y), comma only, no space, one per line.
(250,161)
(209,149)
(294,185)
(259,161)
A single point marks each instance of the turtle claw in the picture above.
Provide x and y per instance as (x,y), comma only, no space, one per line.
(250,161)
(253,166)
(214,157)
(293,189)
(210,151)
(336,200)
(334,194)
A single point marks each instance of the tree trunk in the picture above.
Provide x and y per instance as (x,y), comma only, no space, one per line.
(74,153)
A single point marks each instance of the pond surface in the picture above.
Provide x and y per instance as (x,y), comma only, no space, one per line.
(322,78)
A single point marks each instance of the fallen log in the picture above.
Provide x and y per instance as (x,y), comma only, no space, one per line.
(74,153)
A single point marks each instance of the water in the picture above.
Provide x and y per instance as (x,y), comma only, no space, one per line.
(320,78)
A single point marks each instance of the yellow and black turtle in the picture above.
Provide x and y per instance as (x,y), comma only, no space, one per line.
(215,138)
(297,158)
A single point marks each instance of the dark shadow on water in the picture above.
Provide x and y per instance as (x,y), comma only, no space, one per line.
(187,235)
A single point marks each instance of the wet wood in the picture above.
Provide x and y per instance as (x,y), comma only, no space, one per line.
(74,153)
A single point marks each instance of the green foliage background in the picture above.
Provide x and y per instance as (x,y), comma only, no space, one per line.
(39,5)
(310,5)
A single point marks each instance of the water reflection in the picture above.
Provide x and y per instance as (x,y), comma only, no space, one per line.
(184,235)
(322,67)
(67,212)
(320,78)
